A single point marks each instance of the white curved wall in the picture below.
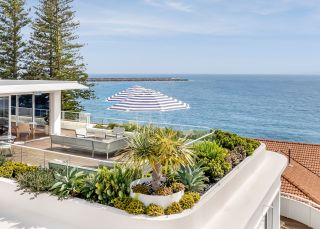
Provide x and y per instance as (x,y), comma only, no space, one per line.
(239,200)
(300,212)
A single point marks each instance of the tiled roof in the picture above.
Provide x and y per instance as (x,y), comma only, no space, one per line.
(288,187)
(302,176)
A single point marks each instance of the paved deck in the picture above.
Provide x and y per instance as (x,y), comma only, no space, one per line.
(287,223)
(39,152)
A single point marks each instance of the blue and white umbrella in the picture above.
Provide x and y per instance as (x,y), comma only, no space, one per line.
(125,94)
(149,100)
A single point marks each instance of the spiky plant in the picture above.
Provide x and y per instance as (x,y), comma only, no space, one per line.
(68,183)
(193,177)
(158,148)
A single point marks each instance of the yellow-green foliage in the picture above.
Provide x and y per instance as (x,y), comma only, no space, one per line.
(10,169)
(174,208)
(164,191)
(141,188)
(136,207)
(122,202)
(186,202)
(194,195)
(177,187)
(154,210)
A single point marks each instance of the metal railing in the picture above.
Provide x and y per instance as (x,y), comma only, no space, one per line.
(42,157)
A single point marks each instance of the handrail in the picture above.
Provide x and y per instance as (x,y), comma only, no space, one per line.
(301,199)
(198,139)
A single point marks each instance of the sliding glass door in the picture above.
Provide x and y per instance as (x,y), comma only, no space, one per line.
(4,116)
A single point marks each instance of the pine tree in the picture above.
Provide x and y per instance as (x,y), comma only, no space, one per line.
(55,50)
(13,48)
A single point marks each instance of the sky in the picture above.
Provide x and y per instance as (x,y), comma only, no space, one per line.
(199,36)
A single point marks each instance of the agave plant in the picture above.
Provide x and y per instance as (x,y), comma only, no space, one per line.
(158,148)
(68,183)
(193,177)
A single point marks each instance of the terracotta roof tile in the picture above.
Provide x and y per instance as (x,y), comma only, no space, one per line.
(302,176)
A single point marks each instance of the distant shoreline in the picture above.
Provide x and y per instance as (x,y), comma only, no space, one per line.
(134,79)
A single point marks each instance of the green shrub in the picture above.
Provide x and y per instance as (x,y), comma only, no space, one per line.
(174,208)
(122,202)
(67,183)
(36,181)
(11,169)
(6,172)
(194,195)
(88,187)
(115,182)
(230,141)
(186,201)
(163,191)
(136,207)
(154,210)
(193,177)
(100,126)
(177,187)
(141,188)
(213,157)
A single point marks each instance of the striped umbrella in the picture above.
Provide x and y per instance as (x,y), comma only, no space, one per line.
(149,100)
(125,93)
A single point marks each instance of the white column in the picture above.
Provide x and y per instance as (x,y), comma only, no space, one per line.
(17,109)
(9,115)
(276,211)
(55,113)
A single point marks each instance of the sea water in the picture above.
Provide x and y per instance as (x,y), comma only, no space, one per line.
(284,107)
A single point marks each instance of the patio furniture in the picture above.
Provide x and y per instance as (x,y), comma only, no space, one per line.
(83,133)
(23,128)
(104,147)
(7,138)
(117,132)
(98,133)
(33,127)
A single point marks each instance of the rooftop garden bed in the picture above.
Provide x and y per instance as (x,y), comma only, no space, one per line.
(163,175)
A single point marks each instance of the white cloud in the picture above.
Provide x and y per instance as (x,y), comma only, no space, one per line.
(126,24)
(170,4)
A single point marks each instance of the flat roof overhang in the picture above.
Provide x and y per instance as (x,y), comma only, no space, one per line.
(12,87)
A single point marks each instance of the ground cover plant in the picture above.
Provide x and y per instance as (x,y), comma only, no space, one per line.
(174,167)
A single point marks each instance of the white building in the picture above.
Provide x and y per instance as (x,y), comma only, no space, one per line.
(12,90)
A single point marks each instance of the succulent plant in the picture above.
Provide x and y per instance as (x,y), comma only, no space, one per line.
(192,177)
(136,207)
(177,187)
(122,202)
(174,208)
(186,202)
(194,195)
(163,191)
(141,188)
(68,183)
(154,210)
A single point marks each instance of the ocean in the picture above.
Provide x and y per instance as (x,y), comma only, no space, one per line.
(284,107)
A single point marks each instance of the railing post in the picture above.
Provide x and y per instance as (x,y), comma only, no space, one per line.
(289,156)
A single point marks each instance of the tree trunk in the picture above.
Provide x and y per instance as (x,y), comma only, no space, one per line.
(156,177)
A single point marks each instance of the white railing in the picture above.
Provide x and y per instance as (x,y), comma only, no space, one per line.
(300,209)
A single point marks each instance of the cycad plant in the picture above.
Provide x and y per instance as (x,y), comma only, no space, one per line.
(68,183)
(158,148)
(193,177)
